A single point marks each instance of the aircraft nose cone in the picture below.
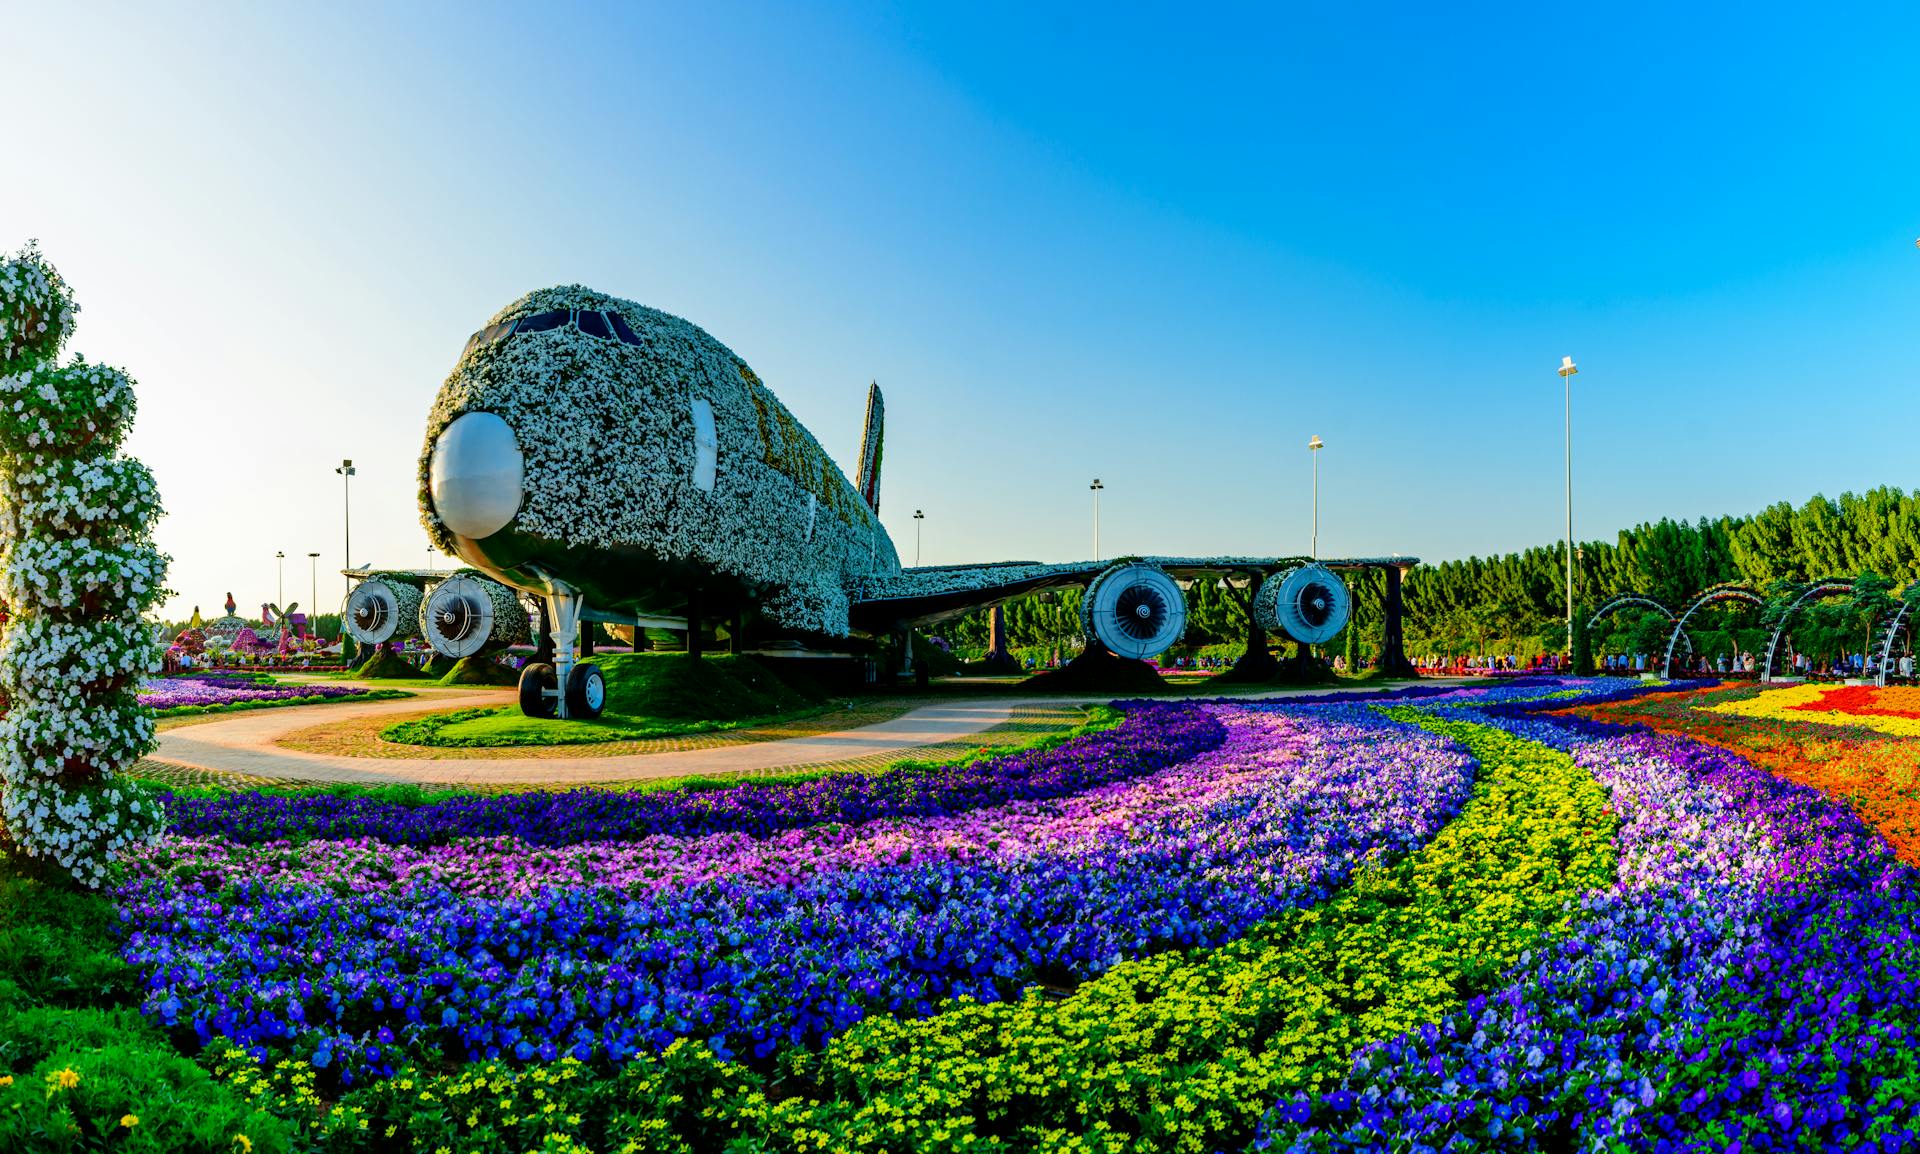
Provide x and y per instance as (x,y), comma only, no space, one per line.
(476,475)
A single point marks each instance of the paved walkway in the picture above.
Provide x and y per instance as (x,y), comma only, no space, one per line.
(247,744)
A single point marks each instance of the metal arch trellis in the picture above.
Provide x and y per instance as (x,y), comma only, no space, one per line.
(1625,599)
(1900,617)
(1716,594)
(1830,588)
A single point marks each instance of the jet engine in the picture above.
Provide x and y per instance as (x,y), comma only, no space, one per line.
(1135,610)
(468,614)
(1308,604)
(382,608)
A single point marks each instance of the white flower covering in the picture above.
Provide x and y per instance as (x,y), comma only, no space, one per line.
(608,443)
(75,572)
(76,520)
(73,495)
(36,311)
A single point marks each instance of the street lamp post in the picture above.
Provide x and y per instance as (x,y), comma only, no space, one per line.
(313,566)
(918,517)
(1096,487)
(1314,446)
(346,481)
(1567,371)
(281,556)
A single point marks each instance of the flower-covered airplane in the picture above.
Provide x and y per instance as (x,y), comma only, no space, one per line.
(626,467)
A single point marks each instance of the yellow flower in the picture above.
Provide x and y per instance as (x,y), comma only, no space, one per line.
(245,1143)
(129,1121)
(65,1079)
(6,1079)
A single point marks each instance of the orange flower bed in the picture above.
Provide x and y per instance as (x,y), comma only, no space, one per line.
(1878,774)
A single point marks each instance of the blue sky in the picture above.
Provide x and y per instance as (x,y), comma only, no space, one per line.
(1162,246)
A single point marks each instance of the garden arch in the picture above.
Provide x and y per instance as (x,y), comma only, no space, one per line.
(1895,624)
(1815,591)
(1712,596)
(1626,599)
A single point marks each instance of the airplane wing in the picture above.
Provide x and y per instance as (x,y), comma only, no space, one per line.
(930,594)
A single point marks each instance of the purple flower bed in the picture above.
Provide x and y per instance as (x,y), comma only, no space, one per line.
(355,954)
(201,692)
(1749,984)
(1152,737)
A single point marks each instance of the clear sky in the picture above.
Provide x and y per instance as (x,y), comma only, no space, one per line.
(1161,245)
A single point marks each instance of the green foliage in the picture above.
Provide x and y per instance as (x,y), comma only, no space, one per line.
(80,1068)
(129,1096)
(1582,643)
(1516,602)
(57,944)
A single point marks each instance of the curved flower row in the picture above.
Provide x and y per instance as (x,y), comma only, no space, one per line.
(186,692)
(358,959)
(1152,737)
(1743,985)
(1183,1051)
(1871,772)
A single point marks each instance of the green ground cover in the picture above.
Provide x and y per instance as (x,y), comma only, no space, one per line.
(648,695)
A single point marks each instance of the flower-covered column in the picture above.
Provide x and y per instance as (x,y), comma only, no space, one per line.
(76,519)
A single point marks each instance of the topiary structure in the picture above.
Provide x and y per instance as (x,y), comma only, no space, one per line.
(76,523)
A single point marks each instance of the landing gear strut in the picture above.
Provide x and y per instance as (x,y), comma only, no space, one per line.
(569,688)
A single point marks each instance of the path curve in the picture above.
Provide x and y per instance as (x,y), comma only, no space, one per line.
(246,744)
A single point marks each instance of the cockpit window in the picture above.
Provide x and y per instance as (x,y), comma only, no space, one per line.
(604,325)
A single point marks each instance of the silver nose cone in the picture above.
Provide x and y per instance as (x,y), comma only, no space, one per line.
(476,475)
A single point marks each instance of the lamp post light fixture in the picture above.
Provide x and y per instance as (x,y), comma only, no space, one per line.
(313,567)
(1314,446)
(281,556)
(1567,370)
(1096,487)
(918,517)
(346,481)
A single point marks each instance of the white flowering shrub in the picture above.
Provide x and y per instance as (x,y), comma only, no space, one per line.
(76,547)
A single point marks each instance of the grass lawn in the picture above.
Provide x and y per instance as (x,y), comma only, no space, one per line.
(648,695)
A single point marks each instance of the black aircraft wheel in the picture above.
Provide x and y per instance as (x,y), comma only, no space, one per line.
(537,681)
(586,691)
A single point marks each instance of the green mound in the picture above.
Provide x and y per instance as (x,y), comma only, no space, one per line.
(1097,671)
(673,685)
(439,666)
(385,663)
(480,669)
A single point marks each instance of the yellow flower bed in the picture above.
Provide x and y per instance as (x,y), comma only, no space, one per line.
(1778,705)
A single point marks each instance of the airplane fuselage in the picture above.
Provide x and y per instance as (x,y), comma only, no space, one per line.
(626,455)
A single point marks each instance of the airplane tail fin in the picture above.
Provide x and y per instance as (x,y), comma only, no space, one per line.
(868,478)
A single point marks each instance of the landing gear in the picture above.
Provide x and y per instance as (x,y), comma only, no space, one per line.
(586,691)
(538,690)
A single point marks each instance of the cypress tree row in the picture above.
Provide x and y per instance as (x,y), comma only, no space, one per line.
(76,522)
